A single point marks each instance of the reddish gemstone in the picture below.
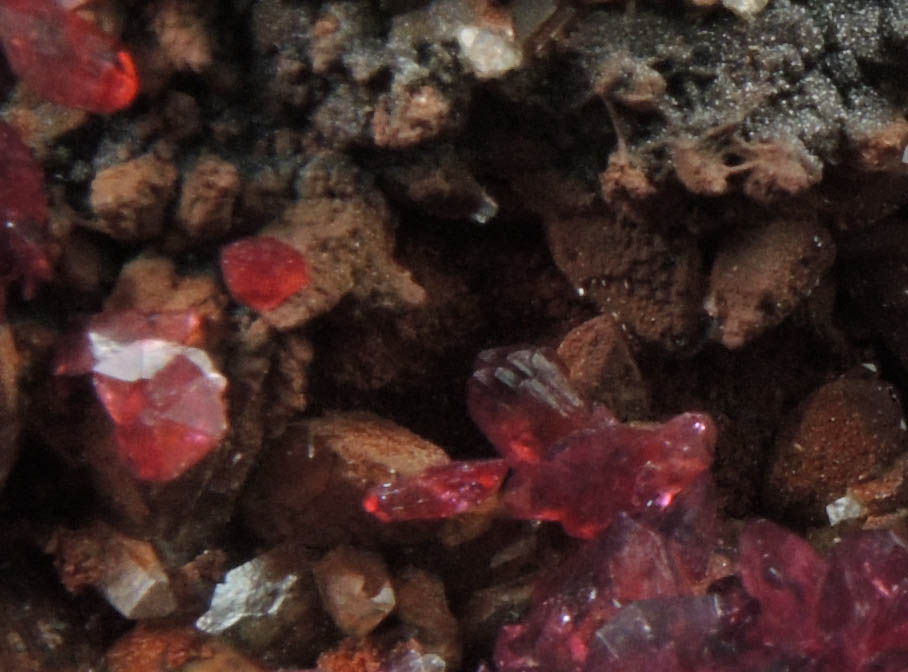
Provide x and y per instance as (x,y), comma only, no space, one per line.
(65,58)
(165,397)
(23,217)
(864,601)
(629,562)
(784,573)
(262,272)
(613,468)
(522,401)
(438,492)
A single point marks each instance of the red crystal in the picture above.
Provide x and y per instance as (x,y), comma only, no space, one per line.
(165,397)
(23,217)
(66,58)
(522,401)
(572,463)
(262,272)
(783,572)
(612,468)
(438,492)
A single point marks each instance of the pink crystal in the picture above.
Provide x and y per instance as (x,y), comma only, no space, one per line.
(612,468)
(784,573)
(165,397)
(23,217)
(438,492)
(263,272)
(572,463)
(65,58)
(522,401)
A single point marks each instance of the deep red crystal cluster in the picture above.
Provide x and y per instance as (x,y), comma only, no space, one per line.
(65,58)
(164,395)
(564,453)
(633,597)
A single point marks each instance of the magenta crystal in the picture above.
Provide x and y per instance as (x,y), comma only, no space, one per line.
(783,572)
(522,401)
(438,492)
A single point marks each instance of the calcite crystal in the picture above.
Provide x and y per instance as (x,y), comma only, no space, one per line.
(165,396)
(263,272)
(65,58)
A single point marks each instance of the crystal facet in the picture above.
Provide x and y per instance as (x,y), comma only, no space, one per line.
(263,272)
(65,58)
(165,397)
(438,492)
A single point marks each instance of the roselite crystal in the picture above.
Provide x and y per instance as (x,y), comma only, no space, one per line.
(263,272)
(24,236)
(438,492)
(573,463)
(65,58)
(165,397)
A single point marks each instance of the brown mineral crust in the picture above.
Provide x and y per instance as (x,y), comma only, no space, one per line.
(602,368)
(845,433)
(174,649)
(310,484)
(408,118)
(355,589)
(130,200)
(151,284)
(41,123)
(423,606)
(761,275)
(208,197)
(886,495)
(348,244)
(645,277)
(9,402)
(183,36)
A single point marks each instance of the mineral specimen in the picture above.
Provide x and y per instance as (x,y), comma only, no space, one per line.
(573,464)
(65,58)
(165,396)
(23,216)
(262,272)
(438,492)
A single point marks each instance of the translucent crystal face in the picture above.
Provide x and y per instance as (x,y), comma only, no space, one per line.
(263,272)
(165,397)
(65,58)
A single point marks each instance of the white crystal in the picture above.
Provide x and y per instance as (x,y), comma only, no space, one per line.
(412,661)
(746,9)
(135,583)
(246,592)
(844,508)
(491,53)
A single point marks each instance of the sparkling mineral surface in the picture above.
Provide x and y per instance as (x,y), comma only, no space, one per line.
(165,397)
(263,272)
(23,217)
(65,58)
